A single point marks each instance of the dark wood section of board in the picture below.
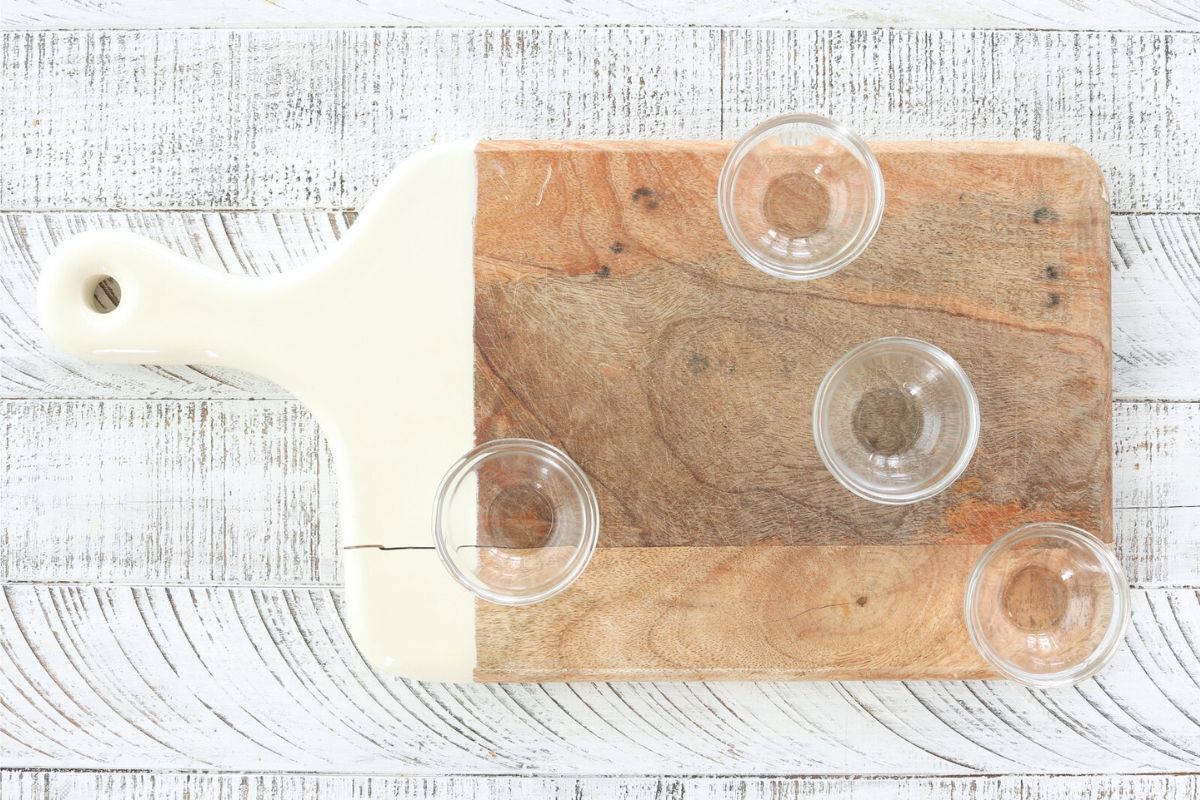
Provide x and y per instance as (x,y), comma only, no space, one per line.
(614,319)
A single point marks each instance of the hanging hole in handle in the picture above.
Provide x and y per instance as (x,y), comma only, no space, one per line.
(104,295)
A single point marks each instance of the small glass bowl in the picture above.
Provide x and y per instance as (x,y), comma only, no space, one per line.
(1047,605)
(896,420)
(800,196)
(515,521)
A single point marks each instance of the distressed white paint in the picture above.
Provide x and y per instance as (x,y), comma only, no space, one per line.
(300,118)
(315,119)
(268,680)
(1156,298)
(1159,546)
(164,491)
(1125,99)
(193,492)
(62,785)
(1156,306)
(1092,14)
(1156,455)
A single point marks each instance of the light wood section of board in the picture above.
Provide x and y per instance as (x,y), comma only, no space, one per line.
(742,613)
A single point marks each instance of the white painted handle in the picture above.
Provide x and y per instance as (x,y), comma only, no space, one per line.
(172,310)
(375,337)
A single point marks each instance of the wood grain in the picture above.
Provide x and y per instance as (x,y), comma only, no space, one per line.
(1155,286)
(148,491)
(743,613)
(315,119)
(1155,484)
(322,116)
(627,331)
(1112,14)
(282,528)
(1156,306)
(1092,89)
(294,99)
(1159,546)
(60,785)
(267,680)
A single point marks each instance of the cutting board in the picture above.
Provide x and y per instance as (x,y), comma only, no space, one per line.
(585,294)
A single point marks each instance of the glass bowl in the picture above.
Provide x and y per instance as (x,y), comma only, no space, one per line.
(896,420)
(1047,605)
(800,196)
(515,521)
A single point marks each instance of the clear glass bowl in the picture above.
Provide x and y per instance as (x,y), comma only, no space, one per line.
(1047,605)
(516,521)
(896,420)
(800,196)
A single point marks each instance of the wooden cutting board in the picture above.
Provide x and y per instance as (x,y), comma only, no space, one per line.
(612,318)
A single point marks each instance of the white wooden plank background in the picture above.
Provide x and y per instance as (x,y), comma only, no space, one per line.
(141,786)
(169,580)
(315,119)
(267,679)
(1084,14)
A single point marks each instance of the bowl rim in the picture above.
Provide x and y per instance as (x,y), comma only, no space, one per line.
(845,477)
(548,453)
(819,269)
(1105,649)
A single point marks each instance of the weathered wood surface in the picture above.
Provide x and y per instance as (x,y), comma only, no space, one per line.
(1093,15)
(315,119)
(307,120)
(59,785)
(1155,294)
(1086,89)
(268,680)
(191,492)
